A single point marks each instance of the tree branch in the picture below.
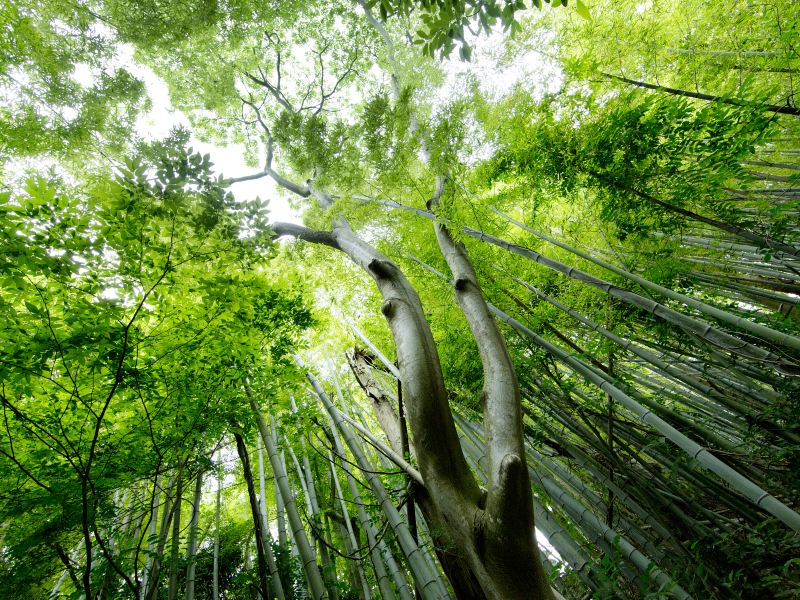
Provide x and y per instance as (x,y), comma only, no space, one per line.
(304,233)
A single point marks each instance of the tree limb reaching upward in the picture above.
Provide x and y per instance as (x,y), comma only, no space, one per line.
(484,525)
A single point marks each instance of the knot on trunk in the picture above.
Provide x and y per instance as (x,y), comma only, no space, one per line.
(380,268)
(461,284)
(388,308)
(508,496)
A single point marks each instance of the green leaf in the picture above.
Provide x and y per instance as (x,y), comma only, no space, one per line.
(583,10)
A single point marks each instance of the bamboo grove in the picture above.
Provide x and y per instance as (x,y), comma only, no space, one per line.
(537,340)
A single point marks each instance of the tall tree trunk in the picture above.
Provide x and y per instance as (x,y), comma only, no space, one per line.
(276,582)
(256,514)
(509,505)
(461,577)
(310,568)
(154,577)
(172,592)
(280,511)
(191,549)
(217,525)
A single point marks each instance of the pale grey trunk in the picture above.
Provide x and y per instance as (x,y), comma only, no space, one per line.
(280,515)
(217,525)
(305,549)
(277,584)
(509,506)
(172,592)
(191,549)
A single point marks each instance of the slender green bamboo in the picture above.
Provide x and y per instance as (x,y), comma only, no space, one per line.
(217,526)
(702,456)
(275,580)
(153,577)
(244,459)
(191,549)
(425,575)
(172,590)
(642,562)
(317,587)
(367,595)
(762,331)
(378,564)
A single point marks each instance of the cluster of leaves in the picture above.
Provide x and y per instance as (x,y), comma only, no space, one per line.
(159,23)
(129,310)
(385,131)
(46,109)
(313,144)
(446,23)
(637,148)
(671,149)
(772,568)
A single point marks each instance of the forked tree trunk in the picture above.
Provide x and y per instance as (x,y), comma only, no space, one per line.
(483,526)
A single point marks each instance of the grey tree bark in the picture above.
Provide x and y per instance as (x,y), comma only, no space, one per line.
(191,550)
(261,559)
(172,591)
(304,547)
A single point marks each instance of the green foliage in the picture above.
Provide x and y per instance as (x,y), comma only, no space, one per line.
(637,148)
(313,144)
(136,302)
(446,24)
(673,150)
(771,569)
(49,105)
(385,125)
(129,309)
